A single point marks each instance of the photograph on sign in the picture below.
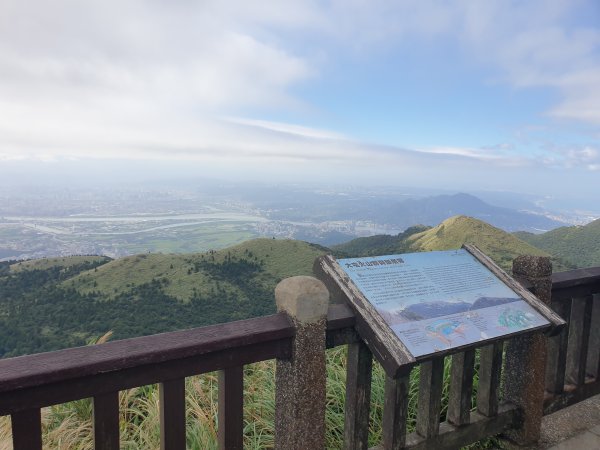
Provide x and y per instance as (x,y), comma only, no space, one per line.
(435,301)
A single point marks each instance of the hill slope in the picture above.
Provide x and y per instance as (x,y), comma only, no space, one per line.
(63,262)
(452,233)
(67,304)
(579,245)
(265,261)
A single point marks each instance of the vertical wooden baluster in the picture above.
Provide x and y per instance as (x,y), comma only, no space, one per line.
(231,408)
(430,397)
(557,349)
(27,430)
(172,415)
(106,421)
(579,333)
(395,411)
(490,372)
(593,361)
(461,387)
(358,396)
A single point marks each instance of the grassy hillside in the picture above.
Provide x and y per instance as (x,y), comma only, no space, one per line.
(578,245)
(66,261)
(65,306)
(381,244)
(266,261)
(452,233)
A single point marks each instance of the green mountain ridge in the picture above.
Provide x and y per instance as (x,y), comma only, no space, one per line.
(50,304)
(452,233)
(267,261)
(579,245)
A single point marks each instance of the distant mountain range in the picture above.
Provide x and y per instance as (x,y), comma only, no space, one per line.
(578,245)
(435,209)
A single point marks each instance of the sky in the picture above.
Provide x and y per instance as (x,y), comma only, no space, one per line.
(495,94)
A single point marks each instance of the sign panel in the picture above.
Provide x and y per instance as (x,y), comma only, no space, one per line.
(436,301)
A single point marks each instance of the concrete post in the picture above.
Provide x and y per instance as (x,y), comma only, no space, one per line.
(300,381)
(525,365)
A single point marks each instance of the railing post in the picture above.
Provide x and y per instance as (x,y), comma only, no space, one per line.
(301,380)
(525,369)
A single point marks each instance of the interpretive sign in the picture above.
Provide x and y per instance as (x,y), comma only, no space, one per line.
(437,301)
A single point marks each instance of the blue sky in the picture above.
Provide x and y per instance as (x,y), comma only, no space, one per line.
(494,94)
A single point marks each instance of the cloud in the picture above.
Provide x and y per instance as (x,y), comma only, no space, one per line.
(154,80)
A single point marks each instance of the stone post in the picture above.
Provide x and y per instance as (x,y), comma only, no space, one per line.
(525,365)
(300,381)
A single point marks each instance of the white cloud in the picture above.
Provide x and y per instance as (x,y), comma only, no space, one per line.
(143,79)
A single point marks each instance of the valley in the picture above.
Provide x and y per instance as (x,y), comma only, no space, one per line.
(200,216)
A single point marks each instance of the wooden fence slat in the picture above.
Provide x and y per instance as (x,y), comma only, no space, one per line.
(106,421)
(358,396)
(461,387)
(557,349)
(430,397)
(231,408)
(490,373)
(27,429)
(172,415)
(579,334)
(593,361)
(395,412)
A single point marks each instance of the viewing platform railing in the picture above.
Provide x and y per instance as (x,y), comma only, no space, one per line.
(512,389)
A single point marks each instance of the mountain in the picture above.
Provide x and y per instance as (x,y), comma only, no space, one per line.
(261,261)
(64,262)
(452,233)
(434,209)
(578,245)
(381,244)
(55,303)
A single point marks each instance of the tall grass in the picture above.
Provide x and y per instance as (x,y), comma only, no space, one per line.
(69,425)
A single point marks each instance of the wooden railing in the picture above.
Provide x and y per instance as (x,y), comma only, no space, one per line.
(32,382)
(573,368)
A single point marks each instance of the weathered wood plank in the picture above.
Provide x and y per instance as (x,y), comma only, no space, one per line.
(579,333)
(461,387)
(106,421)
(490,373)
(593,361)
(231,408)
(340,326)
(556,321)
(45,368)
(358,396)
(451,437)
(573,278)
(27,430)
(382,341)
(340,317)
(395,412)
(430,397)
(172,415)
(88,386)
(557,350)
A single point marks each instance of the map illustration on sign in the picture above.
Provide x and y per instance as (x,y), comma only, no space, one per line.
(436,301)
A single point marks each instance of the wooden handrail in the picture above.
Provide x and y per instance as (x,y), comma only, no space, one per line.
(63,365)
(577,277)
